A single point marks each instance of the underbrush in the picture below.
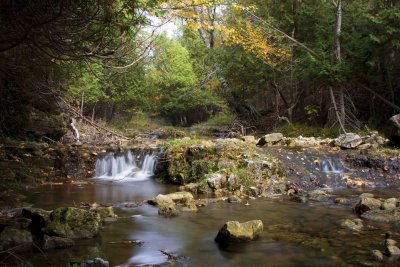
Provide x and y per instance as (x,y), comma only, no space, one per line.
(295,130)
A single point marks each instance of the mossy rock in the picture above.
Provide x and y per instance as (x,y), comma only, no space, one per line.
(73,223)
(189,161)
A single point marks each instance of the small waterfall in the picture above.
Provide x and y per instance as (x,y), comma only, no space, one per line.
(331,166)
(126,166)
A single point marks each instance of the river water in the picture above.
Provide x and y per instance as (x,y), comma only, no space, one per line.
(295,234)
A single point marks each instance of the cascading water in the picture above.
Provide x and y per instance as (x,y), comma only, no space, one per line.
(126,166)
(332,166)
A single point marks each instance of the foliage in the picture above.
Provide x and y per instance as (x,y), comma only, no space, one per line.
(305,130)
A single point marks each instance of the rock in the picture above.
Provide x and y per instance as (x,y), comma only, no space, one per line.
(353,225)
(73,223)
(366,204)
(97,262)
(364,195)
(214,180)
(234,199)
(377,255)
(392,251)
(270,139)
(39,218)
(389,242)
(50,242)
(317,195)
(191,187)
(233,231)
(169,210)
(364,146)
(342,201)
(11,237)
(389,204)
(348,140)
(167,204)
(105,212)
(162,200)
(382,215)
(394,130)
(249,139)
(254,191)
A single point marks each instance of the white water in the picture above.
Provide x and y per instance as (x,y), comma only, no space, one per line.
(125,167)
(330,166)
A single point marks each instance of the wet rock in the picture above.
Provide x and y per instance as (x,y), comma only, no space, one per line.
(214,180)
(234,199)
(364,195)
(11,237)
(73,223)
(97,262)
(382,215)
(233,231)
(39,218)
(377,255)
(167,204)
(317,195)
(270,139)
(50,242)
(352,225)
(348,140)
(366,204)
(342,201)
(392,251)
(389,204)
(254,191)
(169,210)
(298,198)
(105,212)
(191,187)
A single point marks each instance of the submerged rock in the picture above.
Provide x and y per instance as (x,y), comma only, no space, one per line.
(97,262)
(73,223)
(50,242)
(12,237)
(317,195)
(234,232)
(353,225)
(377,255)
(382,215)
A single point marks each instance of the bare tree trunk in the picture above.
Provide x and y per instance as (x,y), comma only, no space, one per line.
(337,58)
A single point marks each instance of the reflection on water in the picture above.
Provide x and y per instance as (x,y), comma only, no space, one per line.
(294,234)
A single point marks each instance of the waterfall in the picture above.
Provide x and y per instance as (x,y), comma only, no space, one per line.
(126,166)
(331,166)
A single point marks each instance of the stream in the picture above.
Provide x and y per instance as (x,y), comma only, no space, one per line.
(295,234)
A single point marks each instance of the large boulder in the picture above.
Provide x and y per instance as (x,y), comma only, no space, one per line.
(270,139)
(348,140)
(12,237)
(73,223)
(235,232)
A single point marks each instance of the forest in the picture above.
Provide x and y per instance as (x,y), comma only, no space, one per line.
(137,65)
(199,133)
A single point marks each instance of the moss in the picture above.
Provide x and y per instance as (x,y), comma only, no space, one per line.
(190,160)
